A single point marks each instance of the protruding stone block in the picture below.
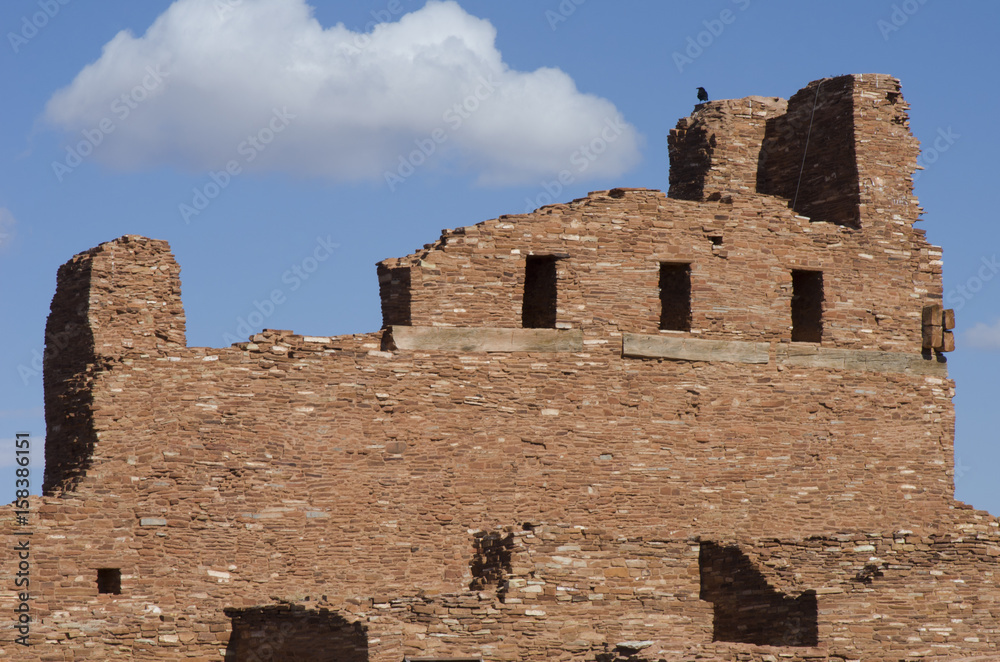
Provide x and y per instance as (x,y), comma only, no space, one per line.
(933,336)
(948,342)
(932,315)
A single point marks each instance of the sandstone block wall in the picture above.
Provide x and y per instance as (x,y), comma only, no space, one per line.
(742,253)
(122,297)
(716,152)
(456,486)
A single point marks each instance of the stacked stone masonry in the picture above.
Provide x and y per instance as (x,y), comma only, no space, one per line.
(455,486)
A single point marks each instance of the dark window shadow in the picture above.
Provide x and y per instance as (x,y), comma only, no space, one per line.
(395,292)
(538,308)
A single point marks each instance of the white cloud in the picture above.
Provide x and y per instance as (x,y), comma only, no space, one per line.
(984,336)
(8,227)
(200,81)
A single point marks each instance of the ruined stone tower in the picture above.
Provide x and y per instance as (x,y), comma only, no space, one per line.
(709,425)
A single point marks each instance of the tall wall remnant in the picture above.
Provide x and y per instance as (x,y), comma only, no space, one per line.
(120,298)
(710,425)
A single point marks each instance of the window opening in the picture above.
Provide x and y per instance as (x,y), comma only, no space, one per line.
(807,306)
(283,632)
(109,580)
(538,309)
(675,296)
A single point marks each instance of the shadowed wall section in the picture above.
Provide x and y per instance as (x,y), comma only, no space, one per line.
(747,609)
(715,152)
(843,153)
(68,360)
(284,633)
(808,154)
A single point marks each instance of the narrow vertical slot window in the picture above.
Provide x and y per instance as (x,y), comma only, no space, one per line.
(675,296)
(807,306)
(538,309)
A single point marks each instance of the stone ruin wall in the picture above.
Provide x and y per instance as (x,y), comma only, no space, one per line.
(120,297)
(741,249)
(430,491)
(741,254)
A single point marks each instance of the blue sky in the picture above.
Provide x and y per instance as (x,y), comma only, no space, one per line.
(248,133)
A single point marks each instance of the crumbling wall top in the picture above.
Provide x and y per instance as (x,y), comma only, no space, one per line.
(839,150)
(123,296)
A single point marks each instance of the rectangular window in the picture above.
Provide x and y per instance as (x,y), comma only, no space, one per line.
(538,309)
(109,580)
(675,296)
(807,306)
(394,288)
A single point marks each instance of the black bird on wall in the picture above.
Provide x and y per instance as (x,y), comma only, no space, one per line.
(702,94)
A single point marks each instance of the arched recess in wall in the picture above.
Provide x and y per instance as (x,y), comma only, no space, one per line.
(278,633)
